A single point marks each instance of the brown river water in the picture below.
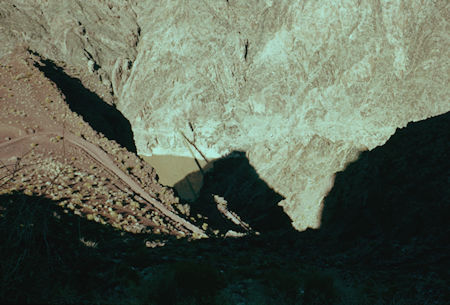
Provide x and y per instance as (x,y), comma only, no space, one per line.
(179,172)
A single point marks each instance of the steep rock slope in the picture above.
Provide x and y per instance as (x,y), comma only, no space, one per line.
(95,36)
(301,86)
(396,194)
(47,150)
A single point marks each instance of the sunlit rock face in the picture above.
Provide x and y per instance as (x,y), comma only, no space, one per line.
(301,86)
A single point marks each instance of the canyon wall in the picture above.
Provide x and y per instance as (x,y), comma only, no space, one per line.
(301,86)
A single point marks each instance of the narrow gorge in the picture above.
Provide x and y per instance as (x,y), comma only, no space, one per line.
(302,87)
(224,151)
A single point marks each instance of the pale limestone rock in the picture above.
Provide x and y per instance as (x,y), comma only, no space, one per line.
(301,86)
(234,234)
(91,66)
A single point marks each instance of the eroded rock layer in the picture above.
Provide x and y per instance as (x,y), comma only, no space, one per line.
(300,86)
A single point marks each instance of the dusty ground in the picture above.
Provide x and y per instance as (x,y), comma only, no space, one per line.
(47,149)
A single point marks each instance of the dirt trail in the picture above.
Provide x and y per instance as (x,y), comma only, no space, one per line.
(103,158)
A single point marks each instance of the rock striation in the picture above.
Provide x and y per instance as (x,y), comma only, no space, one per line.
(301,86)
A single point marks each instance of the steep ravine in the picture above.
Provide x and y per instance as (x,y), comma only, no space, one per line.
(300,86)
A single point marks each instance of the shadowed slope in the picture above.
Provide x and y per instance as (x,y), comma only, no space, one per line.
(393,203)
(102,117)
(48,256)
(247,195)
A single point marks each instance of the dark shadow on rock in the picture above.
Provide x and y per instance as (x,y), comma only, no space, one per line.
(392,205)
(102,117)
(247,195)
(189,187)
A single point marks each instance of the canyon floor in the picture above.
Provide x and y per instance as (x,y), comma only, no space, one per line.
(83,219)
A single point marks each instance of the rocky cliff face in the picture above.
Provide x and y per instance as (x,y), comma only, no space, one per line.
(300,86)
